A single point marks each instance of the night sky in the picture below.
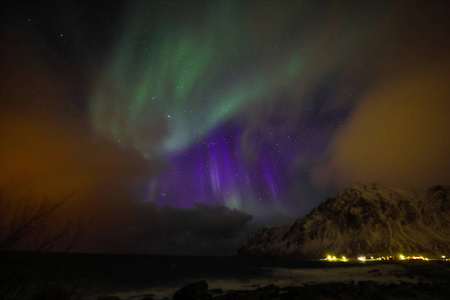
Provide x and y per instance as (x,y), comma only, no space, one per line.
(178,127)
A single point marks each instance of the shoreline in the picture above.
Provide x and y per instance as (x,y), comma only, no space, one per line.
(113,277)
(389,278)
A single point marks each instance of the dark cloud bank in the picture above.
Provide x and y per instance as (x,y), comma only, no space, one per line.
(145,228)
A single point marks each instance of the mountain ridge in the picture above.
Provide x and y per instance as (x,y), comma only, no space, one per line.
(362,220)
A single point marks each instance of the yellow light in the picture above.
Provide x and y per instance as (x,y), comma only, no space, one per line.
(402,257)
(443,256)
(330,258)
(361,258)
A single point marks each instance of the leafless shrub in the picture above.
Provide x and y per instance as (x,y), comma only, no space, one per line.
(26,225)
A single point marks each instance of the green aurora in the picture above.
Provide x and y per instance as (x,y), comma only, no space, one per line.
(182,78)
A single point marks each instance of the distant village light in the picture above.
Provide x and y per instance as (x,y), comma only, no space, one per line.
(331,258)
(361,258)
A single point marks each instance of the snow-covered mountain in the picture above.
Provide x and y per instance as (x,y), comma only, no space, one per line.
(363,220)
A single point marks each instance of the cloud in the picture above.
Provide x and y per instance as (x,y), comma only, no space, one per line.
(145,228)
(46,144)
(47,148)
(397,132)
(397,135)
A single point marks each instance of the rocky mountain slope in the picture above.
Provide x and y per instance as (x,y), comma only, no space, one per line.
(363,220)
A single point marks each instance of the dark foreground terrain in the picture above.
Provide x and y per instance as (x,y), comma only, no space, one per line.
(55,276)
(334,290)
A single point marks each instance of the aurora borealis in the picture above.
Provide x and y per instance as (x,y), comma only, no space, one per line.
(156,114)
(201,85)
